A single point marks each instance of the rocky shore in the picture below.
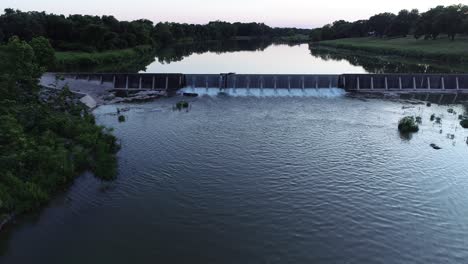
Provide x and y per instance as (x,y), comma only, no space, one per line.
(93,93)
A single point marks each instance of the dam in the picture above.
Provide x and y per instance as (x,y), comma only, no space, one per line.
(380,83)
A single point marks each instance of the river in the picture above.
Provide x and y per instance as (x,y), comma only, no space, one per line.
(248,178)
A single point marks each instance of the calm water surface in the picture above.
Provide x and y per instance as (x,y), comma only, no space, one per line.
(276,58)
(263,57)
(245,179)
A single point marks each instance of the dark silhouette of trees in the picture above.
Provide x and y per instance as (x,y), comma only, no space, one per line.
(451,21)
(379,24)
(94,33)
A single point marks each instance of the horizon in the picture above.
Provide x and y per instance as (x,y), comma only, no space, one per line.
(278,14)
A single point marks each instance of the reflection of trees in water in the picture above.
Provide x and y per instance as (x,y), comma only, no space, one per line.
(380,64)
(180,51)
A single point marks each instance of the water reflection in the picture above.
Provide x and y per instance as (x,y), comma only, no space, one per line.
(385,64)
(180,51)
(245,57)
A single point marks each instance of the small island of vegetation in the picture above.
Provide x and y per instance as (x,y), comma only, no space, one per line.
(408,124)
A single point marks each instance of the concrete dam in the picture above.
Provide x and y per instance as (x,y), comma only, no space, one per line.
(171,83)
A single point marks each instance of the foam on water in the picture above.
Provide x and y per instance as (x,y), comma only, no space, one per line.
(257,92)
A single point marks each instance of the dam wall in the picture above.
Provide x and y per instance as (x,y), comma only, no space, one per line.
(404,82)
(269,81)
(171,82)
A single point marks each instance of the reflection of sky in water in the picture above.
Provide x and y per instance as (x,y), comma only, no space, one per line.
(274,59)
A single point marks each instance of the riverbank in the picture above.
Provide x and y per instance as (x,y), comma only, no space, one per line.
(442,49)
(132,59)
(48,137)
(382,63)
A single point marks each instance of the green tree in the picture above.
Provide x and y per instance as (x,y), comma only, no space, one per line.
(380,23)
(45,54)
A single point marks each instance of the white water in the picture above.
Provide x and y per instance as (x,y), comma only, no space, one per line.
(256,92)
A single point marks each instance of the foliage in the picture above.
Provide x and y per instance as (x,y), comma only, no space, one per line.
(408,125)
(93,33)
(121,118)
(120,60)
(449,20)
(45,54)
(43,146)
(182,104)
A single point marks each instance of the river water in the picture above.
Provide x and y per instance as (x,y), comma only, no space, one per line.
(263,178)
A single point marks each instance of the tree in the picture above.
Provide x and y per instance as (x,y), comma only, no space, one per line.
(163,33)
(45,54)
(451,20)
(19,70)
(380,23)
(403,23)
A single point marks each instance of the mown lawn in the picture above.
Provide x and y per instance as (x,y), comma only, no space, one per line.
(439,49)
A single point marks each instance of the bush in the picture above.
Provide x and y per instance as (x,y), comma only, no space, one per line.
(121,118)
(408,125)
(182,104)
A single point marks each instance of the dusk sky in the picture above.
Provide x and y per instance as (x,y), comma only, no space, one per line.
(299,13)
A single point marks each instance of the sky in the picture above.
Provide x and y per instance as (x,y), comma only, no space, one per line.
(280,13)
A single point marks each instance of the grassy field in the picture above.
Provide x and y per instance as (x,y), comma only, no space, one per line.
(440,49)
(107,60)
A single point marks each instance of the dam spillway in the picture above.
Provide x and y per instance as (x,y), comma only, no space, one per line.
(405,82)
(171,83)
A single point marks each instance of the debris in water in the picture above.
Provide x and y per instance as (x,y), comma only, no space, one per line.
(434,146)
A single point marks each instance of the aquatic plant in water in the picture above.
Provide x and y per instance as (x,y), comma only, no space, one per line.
(182,104)
(408,125)
(419,120)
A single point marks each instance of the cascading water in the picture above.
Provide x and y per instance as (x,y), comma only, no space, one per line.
(266,92)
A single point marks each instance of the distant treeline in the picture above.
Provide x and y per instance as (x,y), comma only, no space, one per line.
(450,20)
(94,33)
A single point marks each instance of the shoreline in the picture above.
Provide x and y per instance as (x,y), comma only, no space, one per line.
(433,50)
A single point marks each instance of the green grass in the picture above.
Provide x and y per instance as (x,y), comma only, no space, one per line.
(107,60)
(439,49)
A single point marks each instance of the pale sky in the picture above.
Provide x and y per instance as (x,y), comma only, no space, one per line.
(299,13)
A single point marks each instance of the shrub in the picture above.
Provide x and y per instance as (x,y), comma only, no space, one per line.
(182,104)
(408,125)
(121,118)
(419,120)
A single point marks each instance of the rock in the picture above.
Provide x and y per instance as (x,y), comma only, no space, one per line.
(88,101)
(464,123)
(407,107)
(434,146)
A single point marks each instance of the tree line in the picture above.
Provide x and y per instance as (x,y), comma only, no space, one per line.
(441,20)
(95,33)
